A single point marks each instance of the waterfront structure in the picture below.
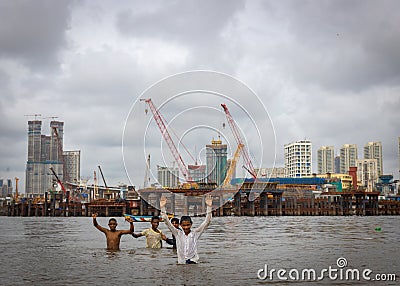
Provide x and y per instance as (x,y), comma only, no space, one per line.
(277,172)
(298,159)
(216,162)
(72,166)
(343,182)
(197,173)
(325,158)
(373,150)
(44,152)
(337,164)
(367,173)
(168,177)
(348,157)
(6,188)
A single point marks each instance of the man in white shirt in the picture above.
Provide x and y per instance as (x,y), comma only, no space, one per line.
(186,238)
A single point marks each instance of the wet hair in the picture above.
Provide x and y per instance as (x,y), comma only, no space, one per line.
(186,218)
(112,219)
(154,218)
(175,219)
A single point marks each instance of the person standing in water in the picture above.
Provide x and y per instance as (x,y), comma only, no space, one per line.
(186,237)
(172,241)
(113,235)
(154,236)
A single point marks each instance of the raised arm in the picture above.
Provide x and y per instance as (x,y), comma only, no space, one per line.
(207,221)
(96,225)
(163,202)
(131,229)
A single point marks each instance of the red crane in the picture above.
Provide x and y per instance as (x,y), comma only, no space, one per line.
(167,137)
(239,141)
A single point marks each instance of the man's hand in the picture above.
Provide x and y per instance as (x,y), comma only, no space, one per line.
(128,219)
(163,202)
(209,200)
(94,215)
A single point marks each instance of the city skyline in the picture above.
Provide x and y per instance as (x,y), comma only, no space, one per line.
(326,72)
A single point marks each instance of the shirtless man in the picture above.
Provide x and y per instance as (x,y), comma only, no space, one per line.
(113,235)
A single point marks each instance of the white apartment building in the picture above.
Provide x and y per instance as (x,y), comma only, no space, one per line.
(167,177)
(367,173)
(326,159)
(348,157)
(298,159)
(373,150)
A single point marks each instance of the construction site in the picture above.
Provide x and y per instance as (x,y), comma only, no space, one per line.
(254,196)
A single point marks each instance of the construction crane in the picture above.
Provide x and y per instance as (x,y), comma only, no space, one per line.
(232,166)
(16,189)
(239,141)
(146,175)
(167,137)
(102,176)
(58,180)
(36,115)
(95,186)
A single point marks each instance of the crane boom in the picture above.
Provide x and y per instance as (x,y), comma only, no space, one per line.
(235,131)
(167,137)
(232,167)
(58,180)
(102,176)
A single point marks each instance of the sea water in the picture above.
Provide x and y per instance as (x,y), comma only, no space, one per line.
(233,251)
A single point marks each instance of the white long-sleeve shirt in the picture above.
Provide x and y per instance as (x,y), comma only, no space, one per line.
(186,245)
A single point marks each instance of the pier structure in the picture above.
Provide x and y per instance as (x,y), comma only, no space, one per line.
(250,199)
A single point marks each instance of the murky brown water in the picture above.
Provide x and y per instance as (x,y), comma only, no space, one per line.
(70,251)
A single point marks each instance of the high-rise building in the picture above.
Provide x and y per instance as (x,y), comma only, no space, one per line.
(216,161)
(298,159)
(373,150)
(348,157)
(326,159)
(44,152)
(197,173)
(168,177)
(72,166)
(367,173)
(337,164)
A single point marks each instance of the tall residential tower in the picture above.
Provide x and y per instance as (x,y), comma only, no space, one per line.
(348,157)
(298,159)
(373,150)
(216,160)
(326,159)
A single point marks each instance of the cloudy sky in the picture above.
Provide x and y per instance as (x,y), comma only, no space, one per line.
(327,71)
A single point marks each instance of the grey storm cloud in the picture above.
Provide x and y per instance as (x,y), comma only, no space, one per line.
(33,31)
(328,71)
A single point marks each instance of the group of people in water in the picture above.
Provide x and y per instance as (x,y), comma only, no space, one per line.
(184,238)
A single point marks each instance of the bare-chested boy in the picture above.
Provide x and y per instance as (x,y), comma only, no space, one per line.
(113,235)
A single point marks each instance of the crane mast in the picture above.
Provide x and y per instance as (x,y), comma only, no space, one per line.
(232,167)
(239,141)
(167,137)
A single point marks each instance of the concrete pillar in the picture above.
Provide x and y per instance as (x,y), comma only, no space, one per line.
(221,205)
(237,203)
(45,204)
(264,204)
(250,204)
(279,204)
